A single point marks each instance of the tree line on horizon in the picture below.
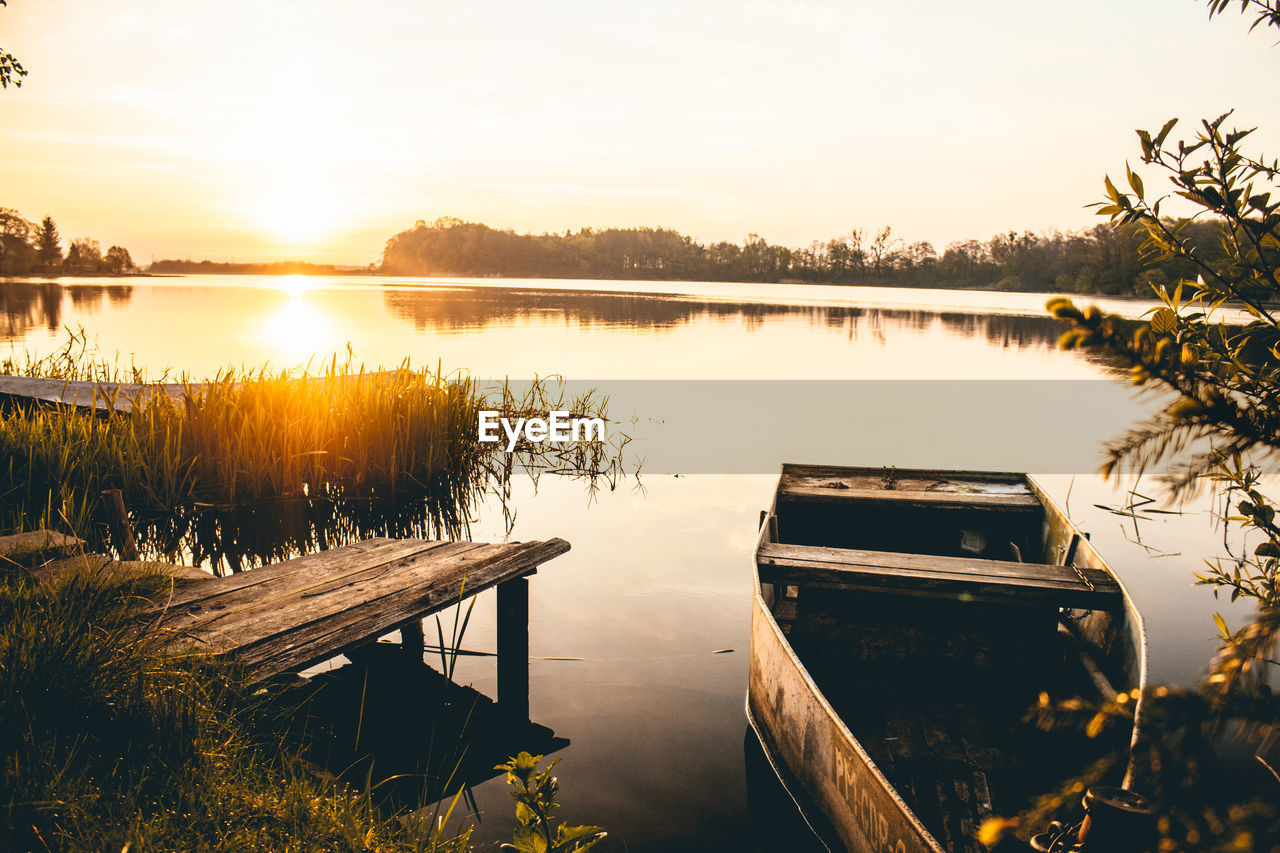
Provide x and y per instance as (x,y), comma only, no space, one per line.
(27,248)
(190,267)
(1102,259)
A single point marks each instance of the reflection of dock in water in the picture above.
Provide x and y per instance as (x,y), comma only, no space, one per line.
(389,720)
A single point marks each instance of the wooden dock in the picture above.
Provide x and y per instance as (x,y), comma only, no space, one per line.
(291,615)
(288,616)
(100,396)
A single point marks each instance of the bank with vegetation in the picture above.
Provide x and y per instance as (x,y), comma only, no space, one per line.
(1102,259)
(110,740)
(30,248)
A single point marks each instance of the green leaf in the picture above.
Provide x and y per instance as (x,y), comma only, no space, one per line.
(528,840)
(577,838)
(1164,320)
(1135,182)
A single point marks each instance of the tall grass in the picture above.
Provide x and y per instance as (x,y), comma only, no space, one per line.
(253,464)
(108,742)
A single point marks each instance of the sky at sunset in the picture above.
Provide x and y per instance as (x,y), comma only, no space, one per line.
(264,131)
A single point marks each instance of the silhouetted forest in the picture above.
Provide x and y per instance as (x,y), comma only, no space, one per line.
(189,267)
(1103,259)
(30,248)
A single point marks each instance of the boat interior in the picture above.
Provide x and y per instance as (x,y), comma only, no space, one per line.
(933,612)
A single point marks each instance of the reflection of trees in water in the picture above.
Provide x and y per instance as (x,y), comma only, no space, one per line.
(237,537)
(27,305)
(461,308)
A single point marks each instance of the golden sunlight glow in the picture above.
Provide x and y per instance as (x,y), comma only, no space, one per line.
(294,214)
(295,284)
(296,330)
(268,131)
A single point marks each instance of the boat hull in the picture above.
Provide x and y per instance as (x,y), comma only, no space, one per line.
(845,797)
(811,749)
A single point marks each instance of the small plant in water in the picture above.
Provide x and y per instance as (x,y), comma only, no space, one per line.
(535,796)
(449,653)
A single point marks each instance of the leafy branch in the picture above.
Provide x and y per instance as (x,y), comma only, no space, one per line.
(11,70)
(535,794)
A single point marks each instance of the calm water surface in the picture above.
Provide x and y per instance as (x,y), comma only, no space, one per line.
(657,585)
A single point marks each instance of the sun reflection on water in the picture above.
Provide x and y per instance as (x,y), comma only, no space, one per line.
(295,285)
(297,329)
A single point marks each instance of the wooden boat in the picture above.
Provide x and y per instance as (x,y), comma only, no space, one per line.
(904,621)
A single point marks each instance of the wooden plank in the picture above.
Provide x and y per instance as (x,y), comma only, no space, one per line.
(120,568)
(221,610)
(915,497)
(950,580)
(101,396)
(74,563)
(948,586)
(37,545)
(307,643)
(302,645)
(307,563)
(967,566)
(328,596)
(910,486)
(1005,477)
(412,573)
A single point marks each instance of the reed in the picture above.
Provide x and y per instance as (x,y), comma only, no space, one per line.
(253,465)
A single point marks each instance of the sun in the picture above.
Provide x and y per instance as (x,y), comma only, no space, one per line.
(296,216)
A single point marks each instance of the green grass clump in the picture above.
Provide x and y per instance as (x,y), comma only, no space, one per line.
(109,743)
(258,465)
(248,438)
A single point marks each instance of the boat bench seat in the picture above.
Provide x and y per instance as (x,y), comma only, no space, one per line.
(909,497)
(939,577)
(908,487)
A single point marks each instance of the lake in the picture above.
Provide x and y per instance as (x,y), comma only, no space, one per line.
(639,634)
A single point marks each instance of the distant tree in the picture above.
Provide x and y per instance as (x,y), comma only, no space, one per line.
(48,245)
(117,260)
(85,255)
(882,250)
(17,255)
(1102,259)
(11,71)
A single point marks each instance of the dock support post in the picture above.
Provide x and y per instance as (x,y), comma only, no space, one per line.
(513,647)
(412,640)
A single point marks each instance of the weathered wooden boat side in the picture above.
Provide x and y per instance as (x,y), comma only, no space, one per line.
(831,775)
(817,758)
(798,728)
(1124,639)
